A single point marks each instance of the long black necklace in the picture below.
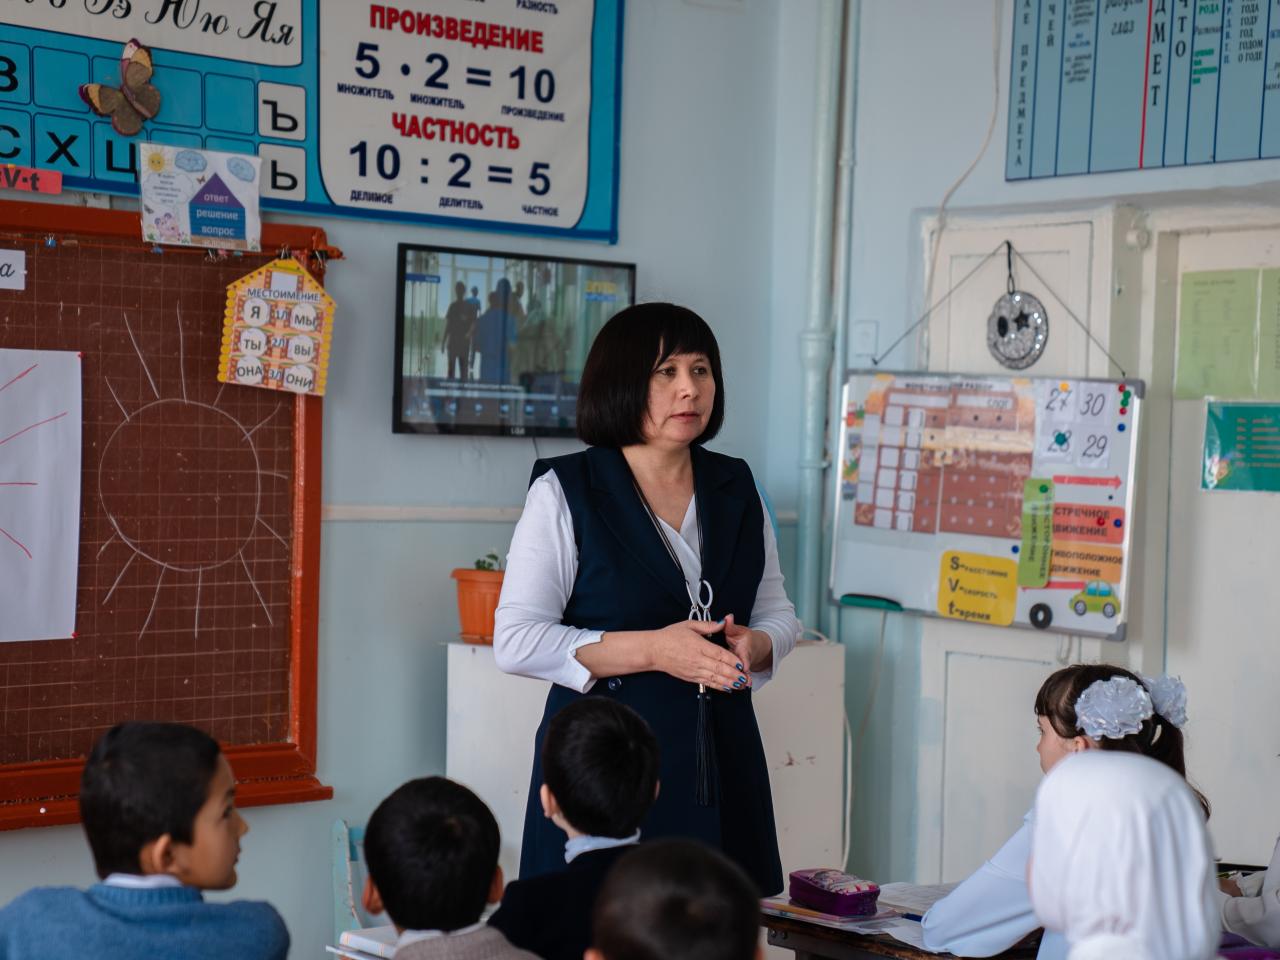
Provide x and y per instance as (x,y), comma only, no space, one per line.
(704,737)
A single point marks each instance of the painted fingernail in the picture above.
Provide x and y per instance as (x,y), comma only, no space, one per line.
(737,684)
(727,690)
(738,666)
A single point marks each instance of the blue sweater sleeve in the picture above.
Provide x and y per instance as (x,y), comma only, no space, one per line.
(991,910)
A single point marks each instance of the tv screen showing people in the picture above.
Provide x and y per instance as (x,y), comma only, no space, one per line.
(494,343)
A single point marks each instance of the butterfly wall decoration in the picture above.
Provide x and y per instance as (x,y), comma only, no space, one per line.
(132,103)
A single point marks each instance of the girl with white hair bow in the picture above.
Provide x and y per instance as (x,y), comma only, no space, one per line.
(1121,862)
(1082,707)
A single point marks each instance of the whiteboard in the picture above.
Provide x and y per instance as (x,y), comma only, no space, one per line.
(1004,501)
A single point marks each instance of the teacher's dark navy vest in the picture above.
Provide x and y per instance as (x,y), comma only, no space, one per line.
(627,581)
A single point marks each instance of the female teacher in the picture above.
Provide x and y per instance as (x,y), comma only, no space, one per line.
(645,568)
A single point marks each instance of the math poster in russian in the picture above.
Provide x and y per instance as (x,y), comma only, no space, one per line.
(199,198)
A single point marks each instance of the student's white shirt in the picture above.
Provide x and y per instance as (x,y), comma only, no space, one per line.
(138,881)
(1121,861)
(1256,916)
(574,847)
(414,936)
(529,638)
(991,910)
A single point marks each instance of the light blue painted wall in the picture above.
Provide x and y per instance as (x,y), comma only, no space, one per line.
(697,187)
(717,154)
(924,98)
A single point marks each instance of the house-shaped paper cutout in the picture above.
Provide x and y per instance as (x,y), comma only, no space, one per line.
(262,285)
(216,212)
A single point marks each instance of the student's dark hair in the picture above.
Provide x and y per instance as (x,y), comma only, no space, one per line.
(613,395)
(1158,738)
(431,848)
(676,900)
(600,759)
(141,781)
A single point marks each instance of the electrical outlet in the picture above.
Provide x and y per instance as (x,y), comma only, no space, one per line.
(864,336)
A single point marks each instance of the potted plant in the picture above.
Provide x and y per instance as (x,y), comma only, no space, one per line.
(478,591)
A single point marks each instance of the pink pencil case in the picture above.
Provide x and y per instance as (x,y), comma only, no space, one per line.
(833,891)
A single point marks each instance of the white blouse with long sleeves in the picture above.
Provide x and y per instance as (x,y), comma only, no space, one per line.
(542,565)
(990,911)
(1256,915)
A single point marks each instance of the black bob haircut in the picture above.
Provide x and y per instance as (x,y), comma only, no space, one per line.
(141,781)
(600,760)
(613,397)
(432,848)
(676,900)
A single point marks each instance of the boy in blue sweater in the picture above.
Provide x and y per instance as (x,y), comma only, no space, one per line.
(158,805)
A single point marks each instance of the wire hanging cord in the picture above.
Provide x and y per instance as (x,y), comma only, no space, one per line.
(705,773)
(938,303)
(1010,253)
(1070,313)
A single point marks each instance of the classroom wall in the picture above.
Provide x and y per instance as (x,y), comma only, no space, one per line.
(924,99)
(697,187)
(715,209)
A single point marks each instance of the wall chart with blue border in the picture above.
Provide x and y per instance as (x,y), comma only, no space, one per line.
(503,116)
(1104,85)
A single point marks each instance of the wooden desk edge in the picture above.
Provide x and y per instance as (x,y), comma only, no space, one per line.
(804,937)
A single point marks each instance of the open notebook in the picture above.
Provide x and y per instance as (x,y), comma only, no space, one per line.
(371,942)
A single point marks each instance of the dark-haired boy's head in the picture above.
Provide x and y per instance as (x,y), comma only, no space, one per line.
(432,853)
(676,900)
(160,798)
(599,767)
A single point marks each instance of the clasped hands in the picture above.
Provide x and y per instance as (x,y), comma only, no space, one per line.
(682,650)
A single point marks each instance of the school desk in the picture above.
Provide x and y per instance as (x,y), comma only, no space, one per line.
(811,941)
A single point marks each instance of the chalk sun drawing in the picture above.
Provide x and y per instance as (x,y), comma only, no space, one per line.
(212,460)
(10,452)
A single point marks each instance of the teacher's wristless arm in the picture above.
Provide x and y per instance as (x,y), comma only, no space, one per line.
(680,649)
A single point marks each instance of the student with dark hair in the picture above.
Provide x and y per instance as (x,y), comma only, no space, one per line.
(432,853)
(158,805)
(600,761)
(644,569)
(676,900)
(1082,707)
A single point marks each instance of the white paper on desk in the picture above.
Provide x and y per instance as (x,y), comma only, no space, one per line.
(350,953)
(371,941)
(913,898)
(39,493)
(909,932)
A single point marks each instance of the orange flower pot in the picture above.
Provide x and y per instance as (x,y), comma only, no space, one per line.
(478,592)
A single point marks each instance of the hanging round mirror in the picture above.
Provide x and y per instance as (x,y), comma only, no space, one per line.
(1017,330)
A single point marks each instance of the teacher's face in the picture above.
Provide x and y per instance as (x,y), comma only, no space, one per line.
(681,393)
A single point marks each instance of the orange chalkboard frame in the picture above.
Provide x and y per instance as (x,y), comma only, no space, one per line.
(44,793)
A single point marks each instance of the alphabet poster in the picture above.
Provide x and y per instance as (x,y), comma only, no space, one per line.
(498,116)
(276,331)
(39,493)
(199,198)
(995,500)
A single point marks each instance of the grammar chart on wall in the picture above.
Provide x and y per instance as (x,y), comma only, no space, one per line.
(998,500)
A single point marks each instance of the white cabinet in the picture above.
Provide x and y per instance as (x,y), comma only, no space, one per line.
(492,717)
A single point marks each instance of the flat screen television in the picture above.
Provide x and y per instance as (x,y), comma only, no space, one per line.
(494,343)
